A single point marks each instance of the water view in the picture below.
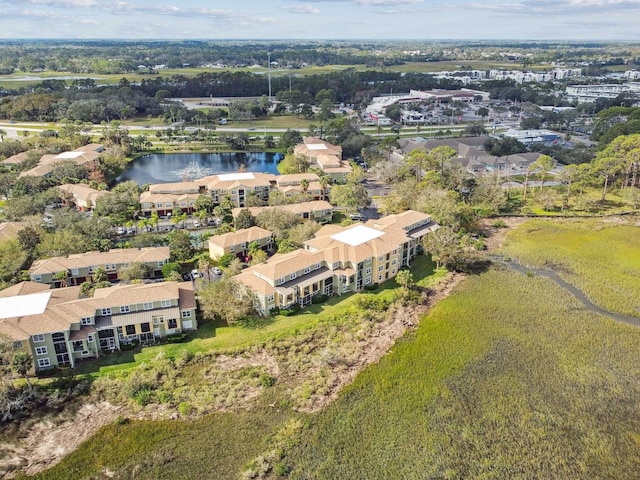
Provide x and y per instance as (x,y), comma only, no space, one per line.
(175,167)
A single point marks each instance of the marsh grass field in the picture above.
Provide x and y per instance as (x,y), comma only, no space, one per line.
(508,377)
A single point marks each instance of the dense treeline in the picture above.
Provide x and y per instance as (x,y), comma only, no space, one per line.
(53,100)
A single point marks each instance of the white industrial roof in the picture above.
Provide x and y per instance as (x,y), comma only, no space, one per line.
(70,154)
(357,235)
(236,176)
(24,305)
(317,146)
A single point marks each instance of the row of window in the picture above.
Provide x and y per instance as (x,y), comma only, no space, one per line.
(145,306)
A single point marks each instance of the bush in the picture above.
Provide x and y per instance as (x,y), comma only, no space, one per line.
(176,338)
(499,224)
(185,408)
(372,287)
(267,380)
(319,299)
(126,347)
(120,420)
(144,397)
(371,303)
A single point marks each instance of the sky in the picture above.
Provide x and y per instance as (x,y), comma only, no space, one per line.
(322,19)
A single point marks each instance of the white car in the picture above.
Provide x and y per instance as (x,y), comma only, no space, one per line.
(195,274)
(216,271)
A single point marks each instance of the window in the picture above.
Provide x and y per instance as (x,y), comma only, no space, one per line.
(270,298)
(231,248)
(368,280)
(147,305)
(393,271)
(110,266)
(78,346)
(158,319)
(186,314)
(233,192)
(161,263)
(280,281)
(379,278)
(394,261)
(368,271)
(165,303)
(106,311)
(145,327)
(256,189)
(172,323)
(86,321)
(17,344)
(44,362)
(381,258)
(380,268)
(130,329)
(368,261)
(307,269)
(91,269)
(125,309)
(90,338)
(395,252)
(37,278)
(41,350)
(38,338)
(292,276)
(335,265)
(75,271)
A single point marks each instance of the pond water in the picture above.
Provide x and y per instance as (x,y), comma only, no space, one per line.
(175,167)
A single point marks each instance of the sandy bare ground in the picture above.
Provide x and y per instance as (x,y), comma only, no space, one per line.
(47,442)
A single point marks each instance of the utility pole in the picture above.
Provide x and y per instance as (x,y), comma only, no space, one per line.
(269,72)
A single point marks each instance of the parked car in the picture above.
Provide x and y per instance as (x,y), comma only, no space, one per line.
(216,271)
(195,274)
(355,216)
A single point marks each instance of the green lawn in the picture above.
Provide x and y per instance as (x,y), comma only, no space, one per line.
(598,256)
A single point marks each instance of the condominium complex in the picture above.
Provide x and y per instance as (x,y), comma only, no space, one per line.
(79,268)
(86,155)
(338,260)
(324,156)
(57,328)
(318,211)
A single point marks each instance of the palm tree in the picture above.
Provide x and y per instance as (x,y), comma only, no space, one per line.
(325,181)
(62,276)
(22,363)
(205,264)
(304,184)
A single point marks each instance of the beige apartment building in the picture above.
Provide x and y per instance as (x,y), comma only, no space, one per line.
(338,260)
(86,155)
(318,211)
(80,268)
(324,156)
(80,196)
(237,243)
(57,328)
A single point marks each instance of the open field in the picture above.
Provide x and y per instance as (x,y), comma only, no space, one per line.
(599,257)
(21,79)
(507,378)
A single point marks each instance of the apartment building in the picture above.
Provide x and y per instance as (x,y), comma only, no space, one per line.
(167,203)
(237,243)
(338,260)
(80,268)
(80,196)
(237,187)
(301,183)
(324,156)
(86,155)
(60,329)
(318,211)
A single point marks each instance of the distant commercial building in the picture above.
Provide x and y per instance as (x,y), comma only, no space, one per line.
(533,136)
(590,93)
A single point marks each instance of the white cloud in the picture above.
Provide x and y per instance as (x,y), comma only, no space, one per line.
(302,9)
(386,3)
